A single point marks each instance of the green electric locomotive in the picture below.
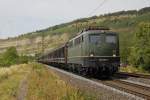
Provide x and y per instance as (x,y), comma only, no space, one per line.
(95,51)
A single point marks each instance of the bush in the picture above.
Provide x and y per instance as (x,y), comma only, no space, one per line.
(11,57)
(25,59)
(140,52)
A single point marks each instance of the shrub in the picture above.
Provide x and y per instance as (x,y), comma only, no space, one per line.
(140,52)
(25,59)
(9,57)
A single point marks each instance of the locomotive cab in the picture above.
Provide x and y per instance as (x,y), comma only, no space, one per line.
(101,52)
(102,44)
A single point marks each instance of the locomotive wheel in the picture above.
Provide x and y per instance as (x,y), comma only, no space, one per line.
(82,71)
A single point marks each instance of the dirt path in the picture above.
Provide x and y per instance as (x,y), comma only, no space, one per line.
(22,89)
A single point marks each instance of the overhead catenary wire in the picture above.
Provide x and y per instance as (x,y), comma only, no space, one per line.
(100,5)
(94,10)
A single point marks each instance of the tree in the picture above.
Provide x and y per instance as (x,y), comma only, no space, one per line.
(10,56)
(140,52)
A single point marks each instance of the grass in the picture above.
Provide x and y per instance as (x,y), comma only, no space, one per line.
(10,79)
(42,84)
(132,69)
(46,85)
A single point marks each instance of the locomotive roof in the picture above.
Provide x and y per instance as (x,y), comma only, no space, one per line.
(96,28)
(93,30)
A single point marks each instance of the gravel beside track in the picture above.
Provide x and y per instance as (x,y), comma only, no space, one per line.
(136,82)
(102,91)
(139,90)
(136,79)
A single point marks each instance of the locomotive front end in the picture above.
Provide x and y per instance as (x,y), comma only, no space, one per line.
(102,52)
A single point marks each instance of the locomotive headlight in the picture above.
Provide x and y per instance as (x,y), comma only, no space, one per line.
(91,55)
(114,55)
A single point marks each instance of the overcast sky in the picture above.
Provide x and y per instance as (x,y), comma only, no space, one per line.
(22,16)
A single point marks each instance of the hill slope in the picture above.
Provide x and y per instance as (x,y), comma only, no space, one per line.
(123,22)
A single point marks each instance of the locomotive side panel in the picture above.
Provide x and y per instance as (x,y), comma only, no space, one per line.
(75,51)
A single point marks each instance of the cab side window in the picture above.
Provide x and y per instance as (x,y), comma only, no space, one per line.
(111,39)
(78,40)
(95,39)
(70,44)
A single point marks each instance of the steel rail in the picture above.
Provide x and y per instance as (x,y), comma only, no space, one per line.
(133,75)
(135,89)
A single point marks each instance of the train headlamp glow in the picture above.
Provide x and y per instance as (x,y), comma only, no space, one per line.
(114,55)
(91,55)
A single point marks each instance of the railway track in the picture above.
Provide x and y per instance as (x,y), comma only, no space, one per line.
(125,86)
(125,74)
(132,90)
(135,89)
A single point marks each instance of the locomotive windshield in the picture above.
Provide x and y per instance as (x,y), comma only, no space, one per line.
(111,39)
(95,39)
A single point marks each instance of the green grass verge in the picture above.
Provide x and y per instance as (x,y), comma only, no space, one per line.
(44,84)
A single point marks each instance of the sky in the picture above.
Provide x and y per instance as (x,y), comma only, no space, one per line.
(23,16)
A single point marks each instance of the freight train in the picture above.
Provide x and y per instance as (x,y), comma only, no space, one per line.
(94,52)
